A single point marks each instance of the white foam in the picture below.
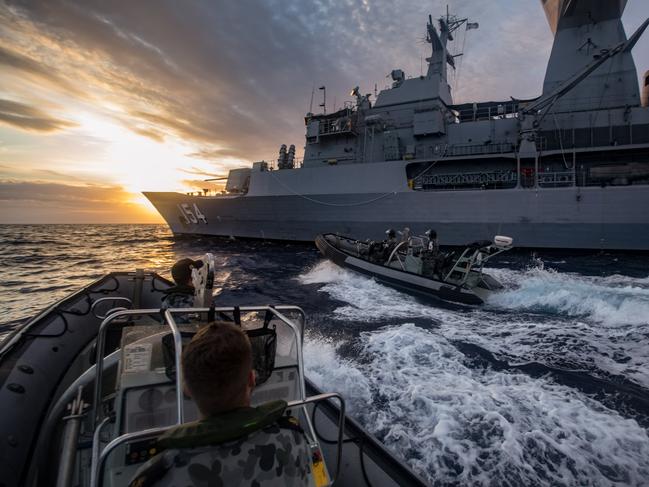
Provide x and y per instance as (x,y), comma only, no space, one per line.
(323,272)
(460,425)
(612,301)
(367,299)
(325,368)
(555,318)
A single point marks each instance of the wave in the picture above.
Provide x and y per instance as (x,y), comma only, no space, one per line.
(510,328)
(460,425)
(613,300)
(367,300)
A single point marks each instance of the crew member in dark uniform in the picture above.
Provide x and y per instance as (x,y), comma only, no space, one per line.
(433,244)
(431,256)
(389,243)
(182,294)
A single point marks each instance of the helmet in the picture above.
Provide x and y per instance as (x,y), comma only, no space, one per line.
(430,233)
(390,232)
(182,270)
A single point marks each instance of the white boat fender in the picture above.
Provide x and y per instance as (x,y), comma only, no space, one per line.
(502,241)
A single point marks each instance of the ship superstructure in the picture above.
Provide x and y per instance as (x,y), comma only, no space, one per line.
(569,169)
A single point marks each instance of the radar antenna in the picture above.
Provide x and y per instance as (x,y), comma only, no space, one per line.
(440,57)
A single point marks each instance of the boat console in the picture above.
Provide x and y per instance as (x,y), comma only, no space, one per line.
(148,396)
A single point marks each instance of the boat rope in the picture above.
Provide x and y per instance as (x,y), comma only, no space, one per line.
(326,203)
(563,154)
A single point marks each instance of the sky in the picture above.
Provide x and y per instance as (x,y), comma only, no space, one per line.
(102,100)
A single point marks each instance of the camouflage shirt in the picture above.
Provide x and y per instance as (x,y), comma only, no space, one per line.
(275,455)
(178,297)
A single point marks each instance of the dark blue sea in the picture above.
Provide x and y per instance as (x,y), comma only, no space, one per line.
(547,384)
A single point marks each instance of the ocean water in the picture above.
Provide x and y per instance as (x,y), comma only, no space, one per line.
(546,384)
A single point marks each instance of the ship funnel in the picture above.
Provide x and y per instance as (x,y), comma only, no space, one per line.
(582,30)
(574,13)
(645,90)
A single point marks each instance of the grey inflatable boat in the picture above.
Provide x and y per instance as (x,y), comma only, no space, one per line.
(77,382)
(453,276)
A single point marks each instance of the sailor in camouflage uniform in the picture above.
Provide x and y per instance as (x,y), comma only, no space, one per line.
(182,294)
(233,444)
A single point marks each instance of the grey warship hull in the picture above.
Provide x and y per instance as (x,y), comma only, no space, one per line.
(569,169)
(613,218)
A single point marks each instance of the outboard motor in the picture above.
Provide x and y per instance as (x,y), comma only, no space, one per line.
(502,241)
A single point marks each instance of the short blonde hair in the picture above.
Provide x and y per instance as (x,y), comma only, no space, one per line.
(216,366)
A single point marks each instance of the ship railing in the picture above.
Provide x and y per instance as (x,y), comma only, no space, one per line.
(556,179)
(478,149)
(505,110)
(343,125)
(483,180)
(579,103)
(509,110)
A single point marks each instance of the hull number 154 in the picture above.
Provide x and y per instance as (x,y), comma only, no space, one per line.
(191,213)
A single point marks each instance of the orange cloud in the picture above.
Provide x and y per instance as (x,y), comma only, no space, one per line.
(26,117)
(37,202)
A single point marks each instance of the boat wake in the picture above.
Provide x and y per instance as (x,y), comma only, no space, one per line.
(612,301)
(547,384)
(457,424)
(527,322)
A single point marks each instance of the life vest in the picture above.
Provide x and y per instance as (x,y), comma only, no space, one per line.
(242,446)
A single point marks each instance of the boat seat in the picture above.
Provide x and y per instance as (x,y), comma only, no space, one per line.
(146,396)
(147,393)
(149,399)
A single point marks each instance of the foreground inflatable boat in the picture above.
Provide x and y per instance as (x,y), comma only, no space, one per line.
(86,388)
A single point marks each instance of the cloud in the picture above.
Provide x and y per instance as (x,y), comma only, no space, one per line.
(197,171)
(26,117)
(210,154)
(230,82)
(37,202)
(23,63)
(35,70)
(189,71)
(150,133)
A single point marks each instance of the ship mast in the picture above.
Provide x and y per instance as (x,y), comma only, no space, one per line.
(440,57)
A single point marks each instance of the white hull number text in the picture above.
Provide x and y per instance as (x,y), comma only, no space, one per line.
(191,213)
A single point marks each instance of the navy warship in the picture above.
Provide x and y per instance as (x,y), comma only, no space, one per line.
(568,169)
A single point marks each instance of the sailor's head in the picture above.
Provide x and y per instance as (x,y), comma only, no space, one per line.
(430,233)
(217,368)
(390,233)
(181,272)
